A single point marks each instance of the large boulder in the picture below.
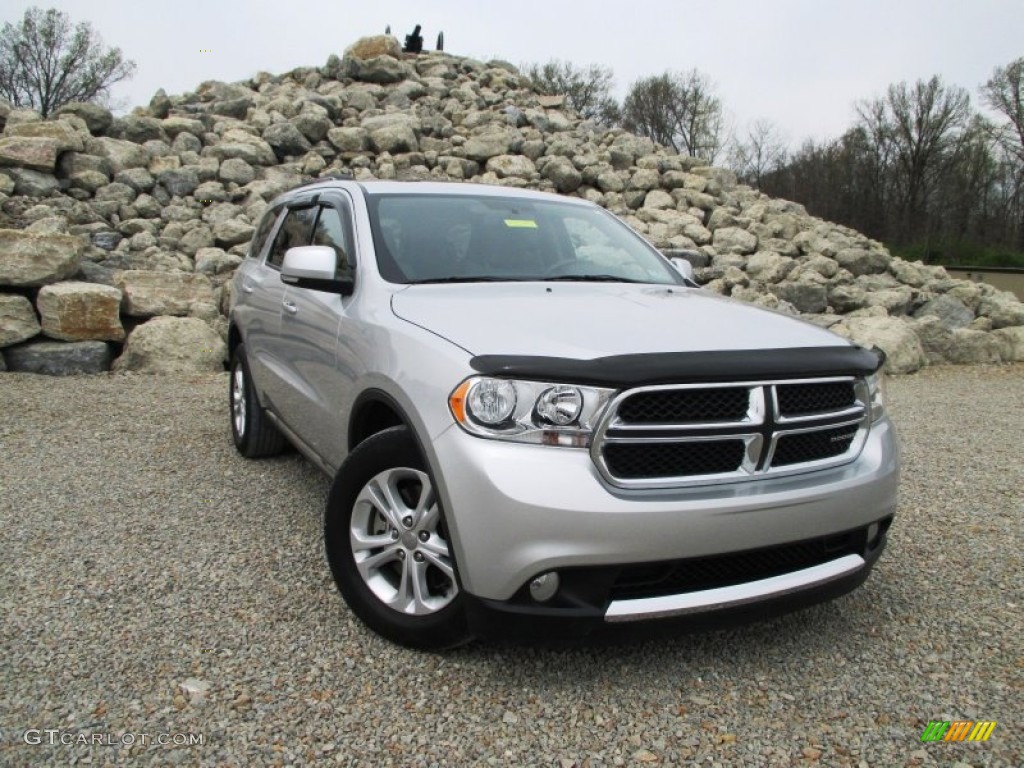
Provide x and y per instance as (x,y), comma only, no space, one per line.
(1011,343)
(172,345)
(286,139)
(895,337)
(36,154)
(734,240)
(379,69)
(1002,309)
(28,259)
(489,143)
(394,133)
(147,293)
(120,154)
(59,358)
(18,321)
(59,130)
(75,311)
(96,118)
(373,46)
(861,261)
(237,143)
(952,312)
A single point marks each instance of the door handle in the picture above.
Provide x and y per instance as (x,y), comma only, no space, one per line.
(289,307)
(247,286)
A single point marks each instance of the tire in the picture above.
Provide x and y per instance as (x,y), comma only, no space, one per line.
(388,546)
(253,434)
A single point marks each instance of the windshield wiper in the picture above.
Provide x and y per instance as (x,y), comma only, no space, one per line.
(592,279)
(475,279)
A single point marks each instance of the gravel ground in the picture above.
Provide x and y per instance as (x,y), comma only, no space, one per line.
(141,554)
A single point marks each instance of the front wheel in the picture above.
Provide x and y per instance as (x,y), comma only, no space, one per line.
(389,548)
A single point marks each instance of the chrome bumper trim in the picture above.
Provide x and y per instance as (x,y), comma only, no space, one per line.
(728,597)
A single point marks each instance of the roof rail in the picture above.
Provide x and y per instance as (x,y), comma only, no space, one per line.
(328,177)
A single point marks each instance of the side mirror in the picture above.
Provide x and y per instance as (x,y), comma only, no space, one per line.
(313,267)
(683,267)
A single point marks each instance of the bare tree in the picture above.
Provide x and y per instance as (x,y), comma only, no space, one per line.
(763,150)
(920,129)
(587,90)
(46,63)
(679,110)
(1004,92)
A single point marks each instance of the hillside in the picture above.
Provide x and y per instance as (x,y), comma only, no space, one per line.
(118,235)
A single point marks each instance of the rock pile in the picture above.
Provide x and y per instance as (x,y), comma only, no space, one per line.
(125,231)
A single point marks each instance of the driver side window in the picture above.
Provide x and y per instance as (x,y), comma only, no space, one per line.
(331,230)
(295,231)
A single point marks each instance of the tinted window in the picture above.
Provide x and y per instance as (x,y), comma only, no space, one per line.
(333,230)
(295,231)
(259,239)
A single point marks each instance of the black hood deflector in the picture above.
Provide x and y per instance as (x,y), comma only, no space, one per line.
(687,367)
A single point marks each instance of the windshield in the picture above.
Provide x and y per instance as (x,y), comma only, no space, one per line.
(422,238)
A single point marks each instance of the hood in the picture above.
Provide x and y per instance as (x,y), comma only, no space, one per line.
(588,320)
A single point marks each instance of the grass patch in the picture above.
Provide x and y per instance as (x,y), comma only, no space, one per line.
(959,253)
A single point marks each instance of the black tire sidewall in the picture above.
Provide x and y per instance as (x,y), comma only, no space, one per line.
(391,448)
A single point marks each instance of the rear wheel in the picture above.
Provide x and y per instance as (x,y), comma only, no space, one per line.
(252,432)
(389,548)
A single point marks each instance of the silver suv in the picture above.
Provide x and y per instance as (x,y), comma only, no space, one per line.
(535,421)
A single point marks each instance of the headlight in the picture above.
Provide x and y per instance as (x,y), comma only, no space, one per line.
(876,390)
(528,411)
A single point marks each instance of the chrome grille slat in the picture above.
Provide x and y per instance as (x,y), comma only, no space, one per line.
(771,428)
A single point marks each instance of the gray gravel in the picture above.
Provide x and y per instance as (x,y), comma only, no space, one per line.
(141,554)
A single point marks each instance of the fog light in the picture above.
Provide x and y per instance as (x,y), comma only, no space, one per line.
(543,587)
(872,534)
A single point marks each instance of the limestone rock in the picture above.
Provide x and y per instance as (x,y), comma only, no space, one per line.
(172,345)
(374,46)
(394,133)
(734,240)
(378,69)
(895,337)
(286,139)
(860,261)
(120,154)
(147,293)
(512,165)
(562,172)
(75,311)
(806,297)
(951,312)
(968,346)
(485,145)
(1002,309)
(29,259)
(59,358)
(97,118)
(1011,343)
(18,321)
(36,154)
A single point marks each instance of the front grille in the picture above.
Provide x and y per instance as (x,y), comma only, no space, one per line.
(813,446)
(675,406)
(647,460)
(804,399)
(680,576)
(688,434)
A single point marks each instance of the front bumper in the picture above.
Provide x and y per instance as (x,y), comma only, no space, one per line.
(516,511)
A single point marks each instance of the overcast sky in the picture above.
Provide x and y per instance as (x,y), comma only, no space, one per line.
(799,63)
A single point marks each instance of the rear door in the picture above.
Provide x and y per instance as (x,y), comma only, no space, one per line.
(311,324)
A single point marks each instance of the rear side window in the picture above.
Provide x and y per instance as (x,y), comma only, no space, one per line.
(259,239)
(295,231)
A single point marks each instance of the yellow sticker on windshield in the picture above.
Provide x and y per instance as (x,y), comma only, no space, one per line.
(521,223)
